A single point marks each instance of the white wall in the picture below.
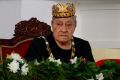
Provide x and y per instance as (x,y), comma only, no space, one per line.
(9,16)
(37,8)
(101,22)
(97,20)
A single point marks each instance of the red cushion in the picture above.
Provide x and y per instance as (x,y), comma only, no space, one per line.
(20,48)
(101,62)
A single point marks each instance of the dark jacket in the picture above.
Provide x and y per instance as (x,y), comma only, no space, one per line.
(38,50)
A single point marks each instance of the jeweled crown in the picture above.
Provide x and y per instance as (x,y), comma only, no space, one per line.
(63,10)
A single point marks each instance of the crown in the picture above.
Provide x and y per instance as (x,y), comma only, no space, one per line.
(63,10)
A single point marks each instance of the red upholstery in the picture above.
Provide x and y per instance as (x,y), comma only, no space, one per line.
(20,48)
(101,62)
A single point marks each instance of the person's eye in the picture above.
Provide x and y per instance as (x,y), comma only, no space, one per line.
(68,24)
(59,24)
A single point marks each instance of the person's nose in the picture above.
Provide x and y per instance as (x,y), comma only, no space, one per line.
(63,28)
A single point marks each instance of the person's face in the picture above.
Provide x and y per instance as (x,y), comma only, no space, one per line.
(63,28)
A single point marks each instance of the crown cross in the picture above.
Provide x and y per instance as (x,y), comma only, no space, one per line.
(62,8)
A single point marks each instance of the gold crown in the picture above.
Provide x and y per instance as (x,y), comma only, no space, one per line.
(63,10)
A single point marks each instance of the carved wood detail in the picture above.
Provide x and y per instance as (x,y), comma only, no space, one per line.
(27,29)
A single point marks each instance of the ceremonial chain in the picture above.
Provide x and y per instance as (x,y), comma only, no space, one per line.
(49,50)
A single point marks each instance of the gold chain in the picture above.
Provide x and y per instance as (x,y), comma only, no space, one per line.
(49,50)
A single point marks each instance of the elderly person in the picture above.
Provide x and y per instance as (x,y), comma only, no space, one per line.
(61,44)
